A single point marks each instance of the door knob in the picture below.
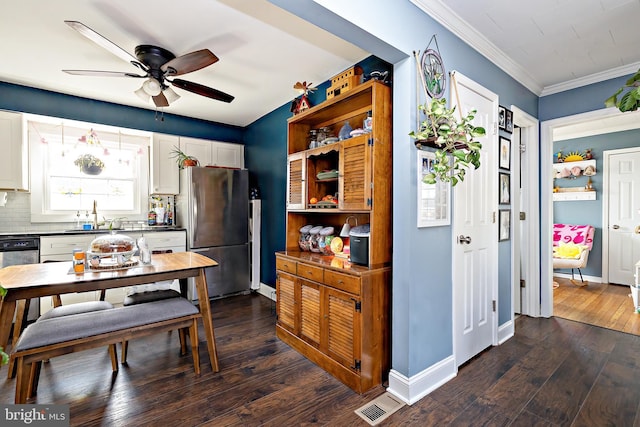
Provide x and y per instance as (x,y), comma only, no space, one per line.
(615,226)
(464,239)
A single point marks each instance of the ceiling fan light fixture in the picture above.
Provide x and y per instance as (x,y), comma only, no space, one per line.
(171,95)
(142,94)
(152,87)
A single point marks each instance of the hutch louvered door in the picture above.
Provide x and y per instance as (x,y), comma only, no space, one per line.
(355,169)
(334,312)
(296,188)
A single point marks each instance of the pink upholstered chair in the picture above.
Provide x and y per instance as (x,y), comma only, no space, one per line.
(578,240)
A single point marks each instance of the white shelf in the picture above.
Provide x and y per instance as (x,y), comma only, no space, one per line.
(570,196)
(559,167)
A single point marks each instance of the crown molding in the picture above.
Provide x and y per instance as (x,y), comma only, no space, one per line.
(461,28)
(613,73)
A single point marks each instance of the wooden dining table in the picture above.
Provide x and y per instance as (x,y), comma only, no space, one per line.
(23,282)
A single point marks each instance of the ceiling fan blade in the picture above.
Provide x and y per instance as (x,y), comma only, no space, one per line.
(102,73)
(202,90)
(189,62)
(160,100)
(101,41)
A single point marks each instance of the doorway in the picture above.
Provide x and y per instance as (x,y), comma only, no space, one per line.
(585,124)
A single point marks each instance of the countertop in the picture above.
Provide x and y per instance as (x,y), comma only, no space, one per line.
(38,233)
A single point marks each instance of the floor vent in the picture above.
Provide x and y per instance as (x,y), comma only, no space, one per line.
(379,409)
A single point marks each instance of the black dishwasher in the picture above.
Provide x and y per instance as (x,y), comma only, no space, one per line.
(19,250)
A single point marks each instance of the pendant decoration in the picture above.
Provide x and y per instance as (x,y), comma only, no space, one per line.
(432,67)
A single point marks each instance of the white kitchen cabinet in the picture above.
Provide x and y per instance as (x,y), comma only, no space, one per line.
(14,162)
(164,174)
(214,153)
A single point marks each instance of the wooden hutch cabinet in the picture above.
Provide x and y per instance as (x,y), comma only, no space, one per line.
(333,311)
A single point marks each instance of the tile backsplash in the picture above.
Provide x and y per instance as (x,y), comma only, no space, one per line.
(15,216)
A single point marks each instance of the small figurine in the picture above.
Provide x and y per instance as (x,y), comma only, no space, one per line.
(587,154)
(559,158)
(302,104)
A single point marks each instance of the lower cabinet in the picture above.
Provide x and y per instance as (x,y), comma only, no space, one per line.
(337,319)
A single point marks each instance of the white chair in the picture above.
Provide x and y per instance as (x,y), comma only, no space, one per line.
(580,237)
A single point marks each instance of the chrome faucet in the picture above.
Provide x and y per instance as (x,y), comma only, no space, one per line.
(95,216)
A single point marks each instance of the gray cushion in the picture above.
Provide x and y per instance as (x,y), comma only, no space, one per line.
(148,296)
(81,307)
(81,325)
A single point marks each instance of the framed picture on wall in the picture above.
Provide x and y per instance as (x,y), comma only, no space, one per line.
(434,200)
(504,224)
(508,121)
(504,187)
(505,153)
(502,116)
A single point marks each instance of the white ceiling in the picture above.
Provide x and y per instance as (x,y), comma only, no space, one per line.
(263,51)
(547,45)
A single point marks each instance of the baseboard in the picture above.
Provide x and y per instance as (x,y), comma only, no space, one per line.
(505,331)
(411,390)
(576,276)
(267,291)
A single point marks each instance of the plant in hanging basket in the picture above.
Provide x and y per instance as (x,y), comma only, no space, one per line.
(183,159)
(630,101)
(89,164)
(451,134)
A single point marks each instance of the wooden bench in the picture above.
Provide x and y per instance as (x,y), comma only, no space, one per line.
(67,334)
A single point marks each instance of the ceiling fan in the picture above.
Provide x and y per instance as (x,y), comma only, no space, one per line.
(159,66)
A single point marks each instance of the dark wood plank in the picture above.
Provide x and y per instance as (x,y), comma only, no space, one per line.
(552,372)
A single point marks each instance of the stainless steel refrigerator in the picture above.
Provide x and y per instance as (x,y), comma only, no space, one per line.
(213,206)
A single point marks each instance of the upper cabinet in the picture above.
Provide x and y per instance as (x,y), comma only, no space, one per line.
(214,153)
(165,175)
(14,169)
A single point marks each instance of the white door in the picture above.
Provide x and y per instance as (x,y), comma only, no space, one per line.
(475,232)
(624,215)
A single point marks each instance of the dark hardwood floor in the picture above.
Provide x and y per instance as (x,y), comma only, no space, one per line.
(553,372)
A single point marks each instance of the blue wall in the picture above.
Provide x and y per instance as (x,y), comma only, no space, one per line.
(590,211)
(36,101)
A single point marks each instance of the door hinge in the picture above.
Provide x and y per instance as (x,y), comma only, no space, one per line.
(523,284)
(494,305)
(369,202)
(357,364)
(358,305)
(493,216)
(523,216)
(370,141)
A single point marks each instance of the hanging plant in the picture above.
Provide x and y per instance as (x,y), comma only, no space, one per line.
(451,135)
(89,164)
(630,101)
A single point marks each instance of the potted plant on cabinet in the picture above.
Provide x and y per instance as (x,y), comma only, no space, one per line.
(630,101)
(450,135)
(183,159)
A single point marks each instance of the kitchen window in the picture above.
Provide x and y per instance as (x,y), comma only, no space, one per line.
(74,164)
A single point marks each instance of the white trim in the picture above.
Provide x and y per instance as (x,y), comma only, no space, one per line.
(529,136)
(547,129)
(506,331)
(267,291)
(613,73)
(411,390)
(594,279)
